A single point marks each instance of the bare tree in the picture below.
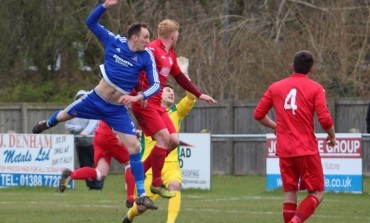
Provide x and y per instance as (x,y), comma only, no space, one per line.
(236,48)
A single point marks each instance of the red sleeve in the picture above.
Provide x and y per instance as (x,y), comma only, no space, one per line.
(175,70)
(263,106)
(321,109)
(185,83)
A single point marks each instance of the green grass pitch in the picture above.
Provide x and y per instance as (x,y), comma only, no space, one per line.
(232,199)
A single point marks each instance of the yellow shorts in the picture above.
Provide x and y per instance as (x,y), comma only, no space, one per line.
(171,172)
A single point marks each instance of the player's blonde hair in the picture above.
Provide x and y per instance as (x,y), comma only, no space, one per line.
(166,28)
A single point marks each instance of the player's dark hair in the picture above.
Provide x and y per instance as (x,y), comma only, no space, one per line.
(167,85)
(135,29)
(303,62)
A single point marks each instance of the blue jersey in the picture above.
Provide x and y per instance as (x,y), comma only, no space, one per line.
(122,66)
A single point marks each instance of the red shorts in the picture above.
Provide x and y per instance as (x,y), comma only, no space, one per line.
(107,146)
(302,173)
(152,118)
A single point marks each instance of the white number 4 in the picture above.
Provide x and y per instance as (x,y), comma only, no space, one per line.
(290,100)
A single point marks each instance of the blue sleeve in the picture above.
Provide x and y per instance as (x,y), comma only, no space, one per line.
(152,75)
(93,23)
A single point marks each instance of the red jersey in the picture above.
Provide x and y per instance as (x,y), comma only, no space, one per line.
(166,65)
(295,100)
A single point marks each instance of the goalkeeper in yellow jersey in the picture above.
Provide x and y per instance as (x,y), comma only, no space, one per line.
(171,172)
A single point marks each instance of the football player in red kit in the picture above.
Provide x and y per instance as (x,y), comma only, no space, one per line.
(295,100)
(152,117)
(106,146)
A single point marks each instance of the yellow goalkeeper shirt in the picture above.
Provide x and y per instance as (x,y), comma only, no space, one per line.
(177,113)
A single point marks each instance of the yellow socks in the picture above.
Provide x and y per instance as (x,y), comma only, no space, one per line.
(173,209)
(174,204)
(133,212)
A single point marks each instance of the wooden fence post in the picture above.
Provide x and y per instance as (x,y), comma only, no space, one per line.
(230,141)
(24,108)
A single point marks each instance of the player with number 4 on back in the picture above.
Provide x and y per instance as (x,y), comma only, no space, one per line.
(295,100)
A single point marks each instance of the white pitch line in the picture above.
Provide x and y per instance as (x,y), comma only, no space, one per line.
(164,209)
(230,198)
(266,213)
(241,198)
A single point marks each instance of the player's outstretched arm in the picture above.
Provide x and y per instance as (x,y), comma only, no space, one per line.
(108,3)
(183,63)
(208,99)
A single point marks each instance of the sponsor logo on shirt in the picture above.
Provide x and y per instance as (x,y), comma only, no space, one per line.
(122,39)
(122,61)
(165,71)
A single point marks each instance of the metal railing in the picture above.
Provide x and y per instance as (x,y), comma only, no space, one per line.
(244,154)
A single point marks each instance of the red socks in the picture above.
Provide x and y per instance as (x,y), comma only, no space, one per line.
(305,209)
(289,210)
(84,173)
(158,156)
(130,185)
(147,163)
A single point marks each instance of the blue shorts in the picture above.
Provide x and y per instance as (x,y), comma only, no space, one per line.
(92,106)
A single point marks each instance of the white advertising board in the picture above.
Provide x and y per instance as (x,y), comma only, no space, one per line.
(34,160)
(195,160)
(342,164)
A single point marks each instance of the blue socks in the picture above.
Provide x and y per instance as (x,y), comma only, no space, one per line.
(137,170)
(53,119)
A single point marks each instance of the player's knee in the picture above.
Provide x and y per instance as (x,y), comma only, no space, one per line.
(162,138)
(290,196)
(133,146)
(318,194)
(174,185)
(174,138)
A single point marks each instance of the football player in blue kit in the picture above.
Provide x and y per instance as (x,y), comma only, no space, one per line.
(124,58)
